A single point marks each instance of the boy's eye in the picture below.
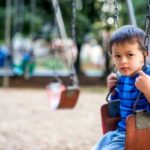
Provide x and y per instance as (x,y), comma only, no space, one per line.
(117,56)
(130,55)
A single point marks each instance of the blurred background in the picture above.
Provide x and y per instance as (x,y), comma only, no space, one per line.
(65,41)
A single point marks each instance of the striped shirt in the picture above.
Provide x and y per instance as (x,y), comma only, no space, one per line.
(128,94)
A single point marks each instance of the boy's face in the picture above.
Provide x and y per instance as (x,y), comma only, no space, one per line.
(127,58)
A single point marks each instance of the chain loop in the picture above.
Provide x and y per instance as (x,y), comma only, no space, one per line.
(147,27)
(74,20)
(116,14)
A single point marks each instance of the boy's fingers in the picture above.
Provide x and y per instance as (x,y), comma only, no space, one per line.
(113,77)
(141,73)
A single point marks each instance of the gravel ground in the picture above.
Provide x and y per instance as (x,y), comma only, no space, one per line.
(27,123)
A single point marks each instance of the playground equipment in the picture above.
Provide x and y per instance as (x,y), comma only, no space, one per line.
(137,124)
(63,95)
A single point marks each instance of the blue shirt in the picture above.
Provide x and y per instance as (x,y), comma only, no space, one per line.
(128,94)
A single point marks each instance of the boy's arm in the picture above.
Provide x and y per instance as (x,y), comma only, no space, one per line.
(143,84)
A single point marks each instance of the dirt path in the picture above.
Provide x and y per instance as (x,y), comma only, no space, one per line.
(27,123)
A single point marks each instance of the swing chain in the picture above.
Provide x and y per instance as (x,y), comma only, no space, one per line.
(116,14)
(146,44)
(73,75)
(74,20)
(147,27)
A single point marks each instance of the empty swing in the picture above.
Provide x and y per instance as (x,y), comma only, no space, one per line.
(137,124)
(63,95)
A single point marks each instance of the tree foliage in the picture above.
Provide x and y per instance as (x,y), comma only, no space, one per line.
(90,18)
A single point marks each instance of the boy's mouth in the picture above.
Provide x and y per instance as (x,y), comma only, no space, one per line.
(124,69)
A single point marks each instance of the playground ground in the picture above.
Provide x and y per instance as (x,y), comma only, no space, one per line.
(27,123)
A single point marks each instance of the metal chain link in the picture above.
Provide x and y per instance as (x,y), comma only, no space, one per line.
(116,14)
(73,74)
(146,44)
(74,20)
(147,27)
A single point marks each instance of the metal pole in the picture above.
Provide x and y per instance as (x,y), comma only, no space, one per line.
(7,40)
(33,9)
(8,22)
(59,19)
(131,12)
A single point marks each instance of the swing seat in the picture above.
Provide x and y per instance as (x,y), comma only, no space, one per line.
(60,96)
(69,97)
(137,128)
(138,132)
(108,123)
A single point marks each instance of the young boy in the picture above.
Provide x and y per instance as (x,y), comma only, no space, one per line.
(128,54)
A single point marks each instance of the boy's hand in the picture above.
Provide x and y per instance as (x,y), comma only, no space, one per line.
(111,81)
(143,83)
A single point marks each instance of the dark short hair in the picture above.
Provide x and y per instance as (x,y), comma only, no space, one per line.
(130,34)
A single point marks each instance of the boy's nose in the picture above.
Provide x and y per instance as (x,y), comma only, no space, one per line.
(123,60)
